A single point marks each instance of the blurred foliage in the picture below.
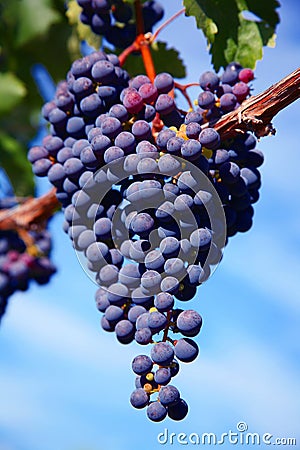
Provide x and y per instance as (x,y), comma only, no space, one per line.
(32,31)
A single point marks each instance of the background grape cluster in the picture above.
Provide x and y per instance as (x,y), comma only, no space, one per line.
(19,262)
(114,19)
(136,209)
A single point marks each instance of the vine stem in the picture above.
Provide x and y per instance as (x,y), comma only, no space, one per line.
(183,89)
(166,23)
(33,211)
(140,44)
(255,114)
(143,43)
(132,48)
(166,330)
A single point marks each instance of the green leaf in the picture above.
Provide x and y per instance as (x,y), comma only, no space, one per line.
(12,91)
(84,32)
(206,24)
(49,49)
(249,44)
(265,10)
(32,17)
(164,59)
(14,160)
(230,36)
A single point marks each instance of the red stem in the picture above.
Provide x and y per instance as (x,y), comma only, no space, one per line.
(167,22)
(143,44)
(132,48)
(182,88)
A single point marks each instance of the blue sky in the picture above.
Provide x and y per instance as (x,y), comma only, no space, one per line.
(65,384)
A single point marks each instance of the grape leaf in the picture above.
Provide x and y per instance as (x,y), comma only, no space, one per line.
(23,119)
(32,18)
(164,59)
(18,169)
(12,91)
(230,35)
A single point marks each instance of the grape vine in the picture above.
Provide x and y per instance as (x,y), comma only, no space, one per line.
(150,193)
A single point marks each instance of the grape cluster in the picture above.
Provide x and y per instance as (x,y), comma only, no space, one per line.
(114,19)
(149,217)
(148,243)
(21,263)
(156,372)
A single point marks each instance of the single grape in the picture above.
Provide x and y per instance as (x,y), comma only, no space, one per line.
(209,81)
(41,167)
(164,83)
(125,331)
(189,322)
(139,398)
(142,364)
(125,141)
(150,282)
(129,275)
(168,165)
(164,104)
(178,411)
(246,75)
(154,260)
(117,293)
(162,353)
(141,130)
(193,130)
(228,102)
(209,138)
(206,100)
(191,149)
(139,81)
(114,314)
(143,336)
(241,91)
(108,275)
(186,350)
(163,376)
(156,412)
(169,284)
(156,322)
(169,395)
(133,101)
(164,302)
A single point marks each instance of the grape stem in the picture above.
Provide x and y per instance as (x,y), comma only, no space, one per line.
(166,23)
(166,330)
(132,48)
(141,44)
(183,89)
